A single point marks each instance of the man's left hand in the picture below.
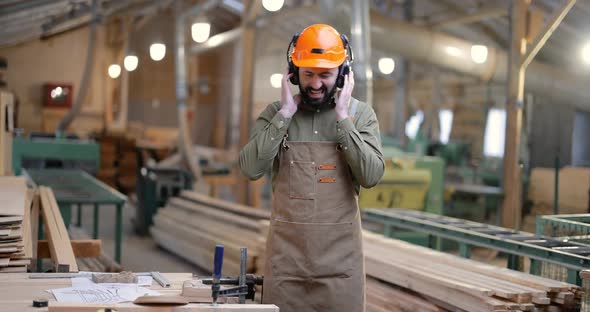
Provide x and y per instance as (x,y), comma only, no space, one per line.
(344,96)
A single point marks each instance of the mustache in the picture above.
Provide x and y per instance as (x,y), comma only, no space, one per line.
(323,88)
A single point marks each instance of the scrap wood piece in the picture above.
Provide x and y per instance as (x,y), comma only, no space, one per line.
(59,241)
(123,277)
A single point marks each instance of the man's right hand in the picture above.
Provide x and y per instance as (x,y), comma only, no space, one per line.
(289,103)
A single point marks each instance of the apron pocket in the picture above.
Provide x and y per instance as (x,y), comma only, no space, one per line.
(314,250)
(302,180)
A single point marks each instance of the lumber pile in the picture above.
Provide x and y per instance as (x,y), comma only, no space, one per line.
(192,224)
(16,249)
(462,283)
(383,297)
(416,278)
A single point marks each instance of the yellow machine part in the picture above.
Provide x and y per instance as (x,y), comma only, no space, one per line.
(402,186)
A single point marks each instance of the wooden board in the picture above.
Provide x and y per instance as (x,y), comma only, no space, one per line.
(27,232)
(13,193)
(11,220)
(35,211)
(22,262)
(59,240)
(89,248)
(16,269)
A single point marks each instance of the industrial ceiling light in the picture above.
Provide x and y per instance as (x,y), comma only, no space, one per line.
(200,31)
(386,65)
(275,80)
(130,62)
(157,51)
(479,53)
(273,5)
(114,71)
(586,53)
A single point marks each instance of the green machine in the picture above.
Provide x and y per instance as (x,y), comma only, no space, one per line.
(50,152)
(410,181)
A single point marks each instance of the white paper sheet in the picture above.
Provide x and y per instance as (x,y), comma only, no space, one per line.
(101,293)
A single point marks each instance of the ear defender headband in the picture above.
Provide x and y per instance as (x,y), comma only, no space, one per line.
(343,69)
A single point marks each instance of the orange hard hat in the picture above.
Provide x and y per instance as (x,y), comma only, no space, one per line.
(319,45)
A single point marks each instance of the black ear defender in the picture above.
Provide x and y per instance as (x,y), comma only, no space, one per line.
(292,68)
(343,69)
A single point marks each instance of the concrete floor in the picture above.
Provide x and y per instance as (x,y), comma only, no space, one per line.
(139,253)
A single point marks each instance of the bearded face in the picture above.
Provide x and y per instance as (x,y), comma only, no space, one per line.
(317,86)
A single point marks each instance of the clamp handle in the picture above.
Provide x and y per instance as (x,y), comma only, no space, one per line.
(218,261)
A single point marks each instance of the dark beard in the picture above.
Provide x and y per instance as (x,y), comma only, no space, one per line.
(327,101)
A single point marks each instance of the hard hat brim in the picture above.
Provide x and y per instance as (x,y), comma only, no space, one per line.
(319,63)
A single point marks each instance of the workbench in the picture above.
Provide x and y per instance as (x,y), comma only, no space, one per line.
(76,187)
(17,292)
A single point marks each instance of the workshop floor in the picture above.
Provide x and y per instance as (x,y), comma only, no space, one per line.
(139,253)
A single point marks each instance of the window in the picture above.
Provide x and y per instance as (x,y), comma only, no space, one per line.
(493,142)
(413,124)
(445,117)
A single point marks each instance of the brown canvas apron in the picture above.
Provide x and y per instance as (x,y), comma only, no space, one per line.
(314,248)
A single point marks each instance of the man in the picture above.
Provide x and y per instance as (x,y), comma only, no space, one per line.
(321,145)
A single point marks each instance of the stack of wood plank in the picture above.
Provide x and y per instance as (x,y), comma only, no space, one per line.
(16,247)
(462,283)
(192,224)
(417,278)
(384,297)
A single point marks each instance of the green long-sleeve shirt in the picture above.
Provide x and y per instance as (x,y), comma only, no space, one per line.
(359,137)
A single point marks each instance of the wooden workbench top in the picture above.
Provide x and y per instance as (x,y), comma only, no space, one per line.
(17,292)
